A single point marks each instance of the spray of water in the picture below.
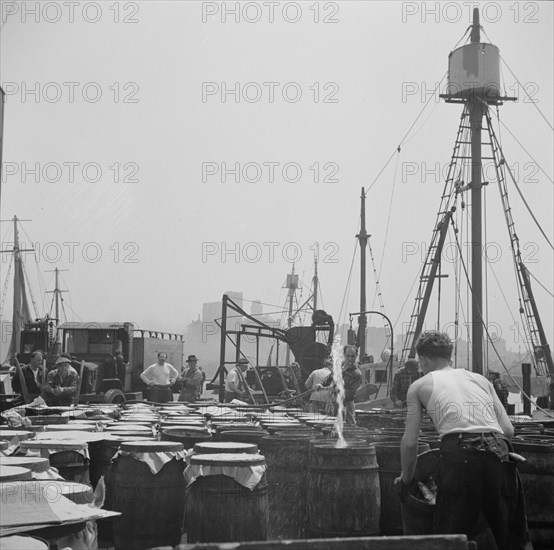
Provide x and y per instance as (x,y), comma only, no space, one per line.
(336,355)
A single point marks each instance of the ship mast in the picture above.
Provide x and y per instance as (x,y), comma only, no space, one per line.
(315,282)
(57,293)
(476,111)
(362,319)
(21,310)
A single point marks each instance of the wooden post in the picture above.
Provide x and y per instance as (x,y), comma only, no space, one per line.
(526,372)
(22,383)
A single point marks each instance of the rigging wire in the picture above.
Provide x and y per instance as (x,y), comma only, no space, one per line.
(378,276)
(6,283)
(540,284)
(399,146)
(342,311)
(504,162)
(521,85)
(492,342)
(526,151)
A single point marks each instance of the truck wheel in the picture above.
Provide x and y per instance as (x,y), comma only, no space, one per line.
(114,396)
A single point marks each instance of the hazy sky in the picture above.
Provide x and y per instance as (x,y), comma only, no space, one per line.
(134,111)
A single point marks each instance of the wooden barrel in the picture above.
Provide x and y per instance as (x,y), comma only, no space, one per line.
(537,477)
(67,458)
(101,454)
(218,447)
(152,505)
(388,458)
(343,490)
(287,478)
(187,436)
(218,509)
(14,473)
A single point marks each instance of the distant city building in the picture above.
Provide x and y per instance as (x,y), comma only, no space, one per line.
(256,308)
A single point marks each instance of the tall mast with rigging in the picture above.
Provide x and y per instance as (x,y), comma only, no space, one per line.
(362,237)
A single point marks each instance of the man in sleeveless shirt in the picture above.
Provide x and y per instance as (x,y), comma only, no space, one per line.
(235,383)
(476,474)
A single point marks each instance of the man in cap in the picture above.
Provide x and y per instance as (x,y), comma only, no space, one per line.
(159,378)
(191,379)
(476,472)
(235,383)
(61,384)
(403,379)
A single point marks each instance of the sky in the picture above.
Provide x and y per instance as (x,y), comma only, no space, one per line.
(166,152)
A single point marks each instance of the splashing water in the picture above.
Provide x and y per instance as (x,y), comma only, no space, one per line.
(336,355)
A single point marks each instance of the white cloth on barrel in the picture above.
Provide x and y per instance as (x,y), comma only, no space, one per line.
(56,447)
(154,460)
(247,476)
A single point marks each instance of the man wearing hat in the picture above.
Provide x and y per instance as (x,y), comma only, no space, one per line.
(403,379)
(192,379)
(61,384)
(235,383)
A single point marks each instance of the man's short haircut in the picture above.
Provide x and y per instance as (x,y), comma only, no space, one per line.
(347,346)
(36,352)
(434,345)
(162,353)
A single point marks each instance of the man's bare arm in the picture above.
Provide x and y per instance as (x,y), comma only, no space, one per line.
(408,445)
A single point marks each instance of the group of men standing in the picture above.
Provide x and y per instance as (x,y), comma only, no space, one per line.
(58,388)
(161,376)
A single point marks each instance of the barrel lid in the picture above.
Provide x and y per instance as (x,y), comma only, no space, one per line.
(179,429)
(52,488)
(151,446)
(14,473)
(228,459)
(218,447)
(117,438)
(33,463)
(19,542)
(22,435)
(54,444)
(129,437)
(129,427)
(70,427)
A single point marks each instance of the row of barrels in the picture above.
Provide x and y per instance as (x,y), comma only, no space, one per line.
(283,439)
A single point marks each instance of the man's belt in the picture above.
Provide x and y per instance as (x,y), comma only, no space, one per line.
(487,442)
(468,437)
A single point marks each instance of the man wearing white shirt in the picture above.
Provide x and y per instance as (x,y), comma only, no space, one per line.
(159,378)
(235,383)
